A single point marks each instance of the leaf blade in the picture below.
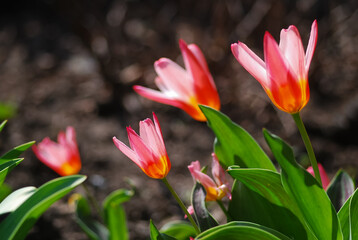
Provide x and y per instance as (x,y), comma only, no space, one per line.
(234,145)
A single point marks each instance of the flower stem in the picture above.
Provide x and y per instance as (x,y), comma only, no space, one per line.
(227,214)
(181,204)
(92,199)
(308,145)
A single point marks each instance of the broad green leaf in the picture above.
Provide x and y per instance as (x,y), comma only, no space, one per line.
(264,201)
(17,224)
(156,235)
(202,215)
(180,230)
(5,190)
(94,229)
(353,216)
(2,125)
(303,188)
(233,145)
(340,189)
(114,214)
(15,152)
(15,199)
(241,230)
(6,167)
(343,216)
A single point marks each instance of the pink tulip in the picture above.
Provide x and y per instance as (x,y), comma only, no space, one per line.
(63,157)
(147,150)
(322,173)
(215,188)
(284,74)
(185,89)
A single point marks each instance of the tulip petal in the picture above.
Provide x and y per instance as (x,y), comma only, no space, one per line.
(292,48)
(195,166)
(217,171)
(251,62)
(157,96)
(144,154)
(199,56)
(311,45)
(204,179)
(127,151)
(175,78)
(150,137)
(202,79)
(158,129)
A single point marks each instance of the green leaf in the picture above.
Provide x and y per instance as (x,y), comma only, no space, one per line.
(5,190)
(156,235)
(15,152)
(18,223)
(303,188)
(94,229)
(202,215)
(233,145)
(241,230)
(343,216)
(180,230)
(340,189)
(353,216)
(15,199)
(6,167)
(2,125)
(114,214)
(264,201)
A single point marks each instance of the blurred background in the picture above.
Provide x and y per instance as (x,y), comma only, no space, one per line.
(75,62)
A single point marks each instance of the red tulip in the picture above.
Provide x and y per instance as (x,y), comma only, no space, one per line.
(322,173)
(215,188)
(147,150)
(185,89)
(63,157)
(284,74)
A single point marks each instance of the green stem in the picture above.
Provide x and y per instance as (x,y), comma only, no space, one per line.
(227,214)
(181,204)
(92,199)
(307,142)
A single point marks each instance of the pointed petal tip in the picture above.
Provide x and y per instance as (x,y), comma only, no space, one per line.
(182,44)
(162,63)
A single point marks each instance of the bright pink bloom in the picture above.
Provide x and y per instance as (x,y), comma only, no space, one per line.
(185,89)
(322,173)
(147,150)
(284,74)
(215,189)
(63,157)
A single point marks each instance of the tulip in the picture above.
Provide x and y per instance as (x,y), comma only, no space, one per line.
(284,74)
(215,188)
(322,172)
(147,150)
(62,157)
(185,89)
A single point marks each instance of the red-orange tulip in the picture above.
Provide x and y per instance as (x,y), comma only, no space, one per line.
(62,157)
(284,74)
(148,150)
(185,89)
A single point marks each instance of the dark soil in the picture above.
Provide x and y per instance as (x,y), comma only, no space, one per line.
(75,62)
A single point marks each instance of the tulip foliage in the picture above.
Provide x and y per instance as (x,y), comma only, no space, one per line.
(20,209)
